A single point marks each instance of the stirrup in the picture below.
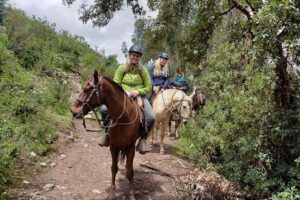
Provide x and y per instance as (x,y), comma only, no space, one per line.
(104,140)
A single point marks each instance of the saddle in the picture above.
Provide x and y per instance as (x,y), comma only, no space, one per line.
(155,92)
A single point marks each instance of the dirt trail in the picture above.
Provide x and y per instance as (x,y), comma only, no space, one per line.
(81,170)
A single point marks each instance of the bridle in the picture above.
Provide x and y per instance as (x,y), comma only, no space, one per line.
(86,102)
(178,109)
(113,121)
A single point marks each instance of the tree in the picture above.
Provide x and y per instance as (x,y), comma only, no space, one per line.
(102,11)
(2,10)
(124,49)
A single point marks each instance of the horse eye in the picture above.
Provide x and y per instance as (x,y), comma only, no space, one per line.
(86,89)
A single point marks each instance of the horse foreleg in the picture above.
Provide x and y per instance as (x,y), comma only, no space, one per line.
(162,136)
(152,137)
(177,126)
(129,171)
(154,134)
(114,170)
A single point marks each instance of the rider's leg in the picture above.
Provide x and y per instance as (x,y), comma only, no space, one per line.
(104,140)
(149,116)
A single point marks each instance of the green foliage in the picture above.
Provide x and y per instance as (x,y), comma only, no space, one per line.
(239,130)
(35,88)
(288,194)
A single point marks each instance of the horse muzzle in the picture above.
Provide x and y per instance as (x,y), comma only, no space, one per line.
(184,121)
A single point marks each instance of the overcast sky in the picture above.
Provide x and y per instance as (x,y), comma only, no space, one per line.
(109,38)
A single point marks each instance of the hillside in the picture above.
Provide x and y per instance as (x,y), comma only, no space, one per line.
(34,92)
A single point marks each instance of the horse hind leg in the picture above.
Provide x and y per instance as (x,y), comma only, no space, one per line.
(114,170)
(177,126)
(129,171)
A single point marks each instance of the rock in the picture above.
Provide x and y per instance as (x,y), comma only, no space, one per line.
(96,191)
(49,186)
(67,194)
(53,164)
(26,182)
(32,155)
(43,164)
(61,187)
(164,188)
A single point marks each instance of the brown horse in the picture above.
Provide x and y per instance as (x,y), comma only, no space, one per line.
(124,124)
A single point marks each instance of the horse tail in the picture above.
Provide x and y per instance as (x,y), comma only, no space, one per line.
(122,157)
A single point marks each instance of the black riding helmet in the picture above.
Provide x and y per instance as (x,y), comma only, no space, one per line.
(136,48)
(164,55)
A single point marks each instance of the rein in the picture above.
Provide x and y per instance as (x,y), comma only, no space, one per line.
(178,107)
(113,121)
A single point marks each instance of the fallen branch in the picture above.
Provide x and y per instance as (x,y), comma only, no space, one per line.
(150,166)
(181,164)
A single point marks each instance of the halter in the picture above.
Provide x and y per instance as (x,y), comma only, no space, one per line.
(113,121)
(178,107)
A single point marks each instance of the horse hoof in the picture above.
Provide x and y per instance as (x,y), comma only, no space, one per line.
(162,152)
(155,144)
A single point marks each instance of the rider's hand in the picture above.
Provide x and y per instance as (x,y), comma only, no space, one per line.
(134,93)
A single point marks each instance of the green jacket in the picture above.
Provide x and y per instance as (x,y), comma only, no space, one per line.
(133,81)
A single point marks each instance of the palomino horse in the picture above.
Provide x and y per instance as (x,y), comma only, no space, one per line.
(124,124)
(163,105)
(198,101)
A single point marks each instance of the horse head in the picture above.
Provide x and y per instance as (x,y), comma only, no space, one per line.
(184,110)
(198,99)
(184,106)
(89,98)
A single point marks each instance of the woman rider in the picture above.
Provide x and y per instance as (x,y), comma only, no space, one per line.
(135,80)
(160,73)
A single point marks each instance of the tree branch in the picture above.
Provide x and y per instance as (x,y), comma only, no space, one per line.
(238,6)
(225,12)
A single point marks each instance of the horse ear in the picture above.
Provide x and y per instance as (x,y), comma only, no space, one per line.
(194,91)
(96,76)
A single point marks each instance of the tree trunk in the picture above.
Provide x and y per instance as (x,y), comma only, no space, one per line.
(282,90)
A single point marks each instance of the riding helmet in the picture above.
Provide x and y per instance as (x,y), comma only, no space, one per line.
(136,48)
(164,55)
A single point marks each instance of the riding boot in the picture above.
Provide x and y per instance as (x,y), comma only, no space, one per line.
(104,138)
(142,146)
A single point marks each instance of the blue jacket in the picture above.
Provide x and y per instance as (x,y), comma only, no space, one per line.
(180,83)
(161,80)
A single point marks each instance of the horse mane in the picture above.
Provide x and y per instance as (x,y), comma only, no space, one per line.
(114,84)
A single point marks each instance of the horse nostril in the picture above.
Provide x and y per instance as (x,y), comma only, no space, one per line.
(184,122)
